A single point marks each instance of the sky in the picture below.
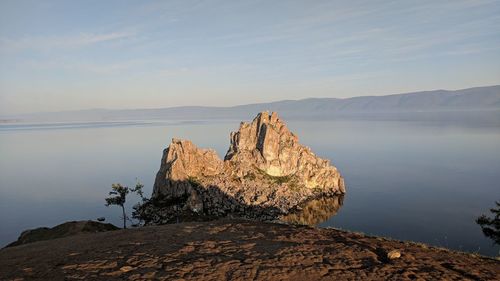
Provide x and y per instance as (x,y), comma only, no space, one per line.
(72,55)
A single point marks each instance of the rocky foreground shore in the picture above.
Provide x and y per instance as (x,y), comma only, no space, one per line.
(230,249)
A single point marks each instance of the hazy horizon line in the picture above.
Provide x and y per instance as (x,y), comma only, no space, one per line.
(244,104)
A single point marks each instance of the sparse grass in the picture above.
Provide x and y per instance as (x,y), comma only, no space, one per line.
(249,176)
(317,189)
(276,179)
(294,186)
(281,180)
(194,181)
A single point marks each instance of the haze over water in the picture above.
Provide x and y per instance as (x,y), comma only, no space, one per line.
(421,181)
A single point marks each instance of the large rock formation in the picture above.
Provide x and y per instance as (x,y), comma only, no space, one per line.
(265,174)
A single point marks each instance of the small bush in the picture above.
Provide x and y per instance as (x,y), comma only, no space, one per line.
(491,226)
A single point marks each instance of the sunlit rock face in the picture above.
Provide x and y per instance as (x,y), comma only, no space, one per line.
(266,143)
(181,161)
(265,173)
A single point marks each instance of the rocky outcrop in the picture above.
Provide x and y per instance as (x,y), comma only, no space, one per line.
(61,230)
(265,174)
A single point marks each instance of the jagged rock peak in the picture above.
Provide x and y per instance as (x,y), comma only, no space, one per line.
(267,144)
(265,134)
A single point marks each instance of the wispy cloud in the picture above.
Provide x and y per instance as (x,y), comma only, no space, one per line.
(57,42)
(86,66)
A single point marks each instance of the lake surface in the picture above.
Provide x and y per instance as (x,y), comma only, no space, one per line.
(421,181)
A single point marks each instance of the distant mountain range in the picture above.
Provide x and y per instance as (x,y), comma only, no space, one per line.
(466,100)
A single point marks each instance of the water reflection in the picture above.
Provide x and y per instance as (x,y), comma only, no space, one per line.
(315,211)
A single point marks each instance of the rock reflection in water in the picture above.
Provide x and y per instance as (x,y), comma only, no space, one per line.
(315,211)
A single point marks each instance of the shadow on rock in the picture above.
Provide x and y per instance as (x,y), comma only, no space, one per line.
(195,202)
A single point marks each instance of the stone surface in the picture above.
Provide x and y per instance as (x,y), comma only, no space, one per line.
(394,254)
(265,173)
(237,250)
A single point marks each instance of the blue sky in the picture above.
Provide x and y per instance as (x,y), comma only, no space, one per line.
(66,55)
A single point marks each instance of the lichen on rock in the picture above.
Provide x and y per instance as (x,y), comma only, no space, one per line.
(266,173)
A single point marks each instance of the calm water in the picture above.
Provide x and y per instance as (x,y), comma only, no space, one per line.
(407,180)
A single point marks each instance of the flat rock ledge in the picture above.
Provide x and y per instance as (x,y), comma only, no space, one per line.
(237,250)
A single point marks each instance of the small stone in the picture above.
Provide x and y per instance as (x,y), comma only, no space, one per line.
(149,275)
(113,273)
(394,254)
(126,268)
(134,277)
